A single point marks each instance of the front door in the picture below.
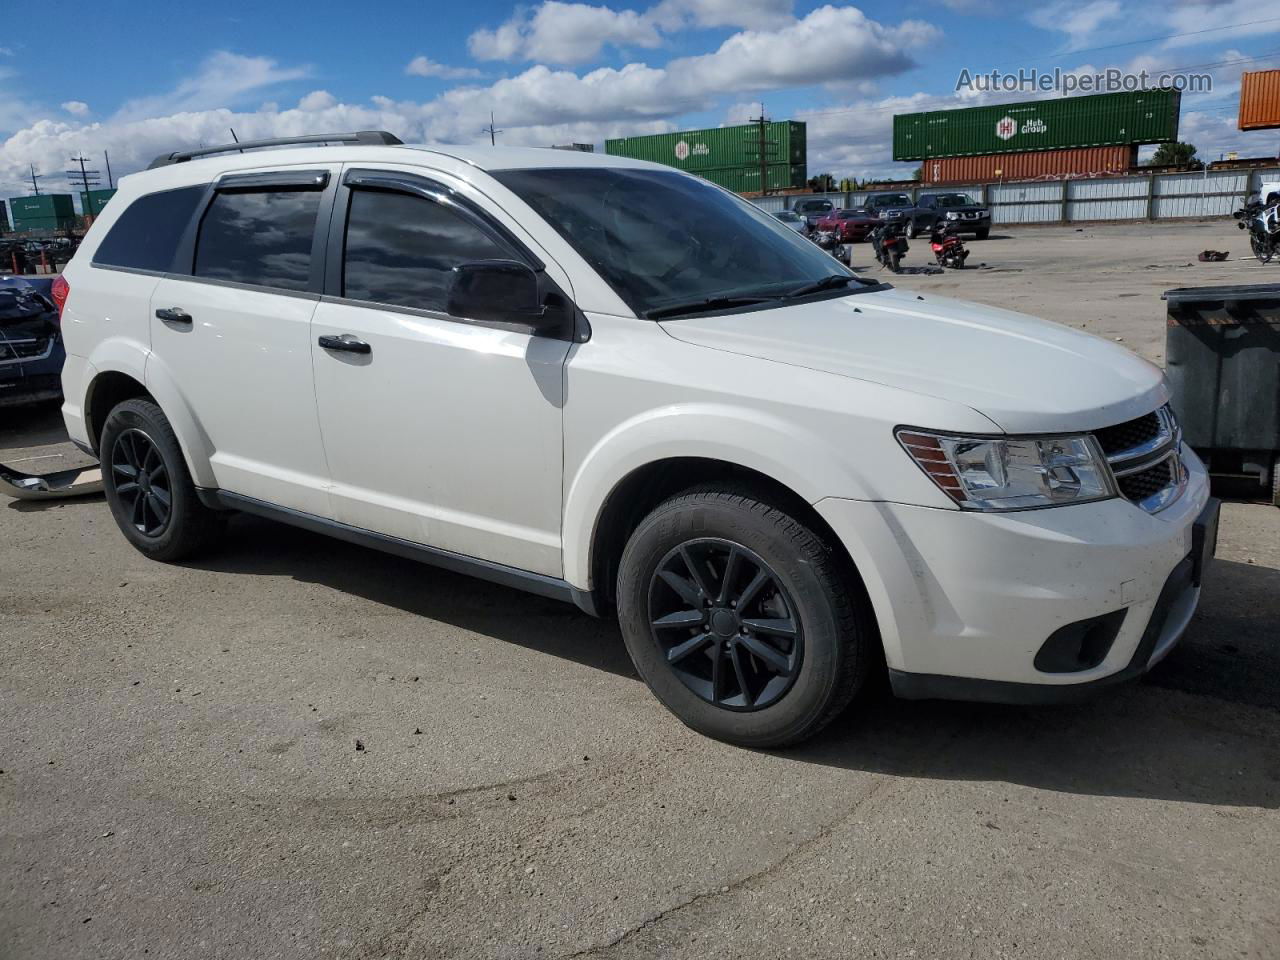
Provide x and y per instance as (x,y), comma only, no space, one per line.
(438,430)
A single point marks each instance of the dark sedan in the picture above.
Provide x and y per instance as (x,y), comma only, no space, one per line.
(31,352)
(850,226)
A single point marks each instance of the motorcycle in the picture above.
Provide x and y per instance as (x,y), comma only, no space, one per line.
(827,240)
(890,244)
(947,247)
(1263,224)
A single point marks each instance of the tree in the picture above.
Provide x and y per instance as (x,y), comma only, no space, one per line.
(918,173)
(1176,155)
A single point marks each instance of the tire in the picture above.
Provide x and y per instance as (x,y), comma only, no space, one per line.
(794,686)
(137,435)
(982,234)
(911,230)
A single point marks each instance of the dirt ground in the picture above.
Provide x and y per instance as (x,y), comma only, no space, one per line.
(181,779)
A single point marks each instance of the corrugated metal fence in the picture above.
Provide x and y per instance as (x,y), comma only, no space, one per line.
(1161,196)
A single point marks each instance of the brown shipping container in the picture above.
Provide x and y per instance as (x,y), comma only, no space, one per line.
(1260,100)
(1040,164)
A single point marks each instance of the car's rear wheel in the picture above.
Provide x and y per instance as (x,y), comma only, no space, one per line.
(744,623)
(148,486)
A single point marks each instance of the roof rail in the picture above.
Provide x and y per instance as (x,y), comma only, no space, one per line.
(368,137)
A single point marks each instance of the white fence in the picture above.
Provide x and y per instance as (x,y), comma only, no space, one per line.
(1160,196)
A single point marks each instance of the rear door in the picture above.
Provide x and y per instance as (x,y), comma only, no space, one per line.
(234,335)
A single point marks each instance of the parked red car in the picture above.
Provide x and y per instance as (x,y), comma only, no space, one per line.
(849,226)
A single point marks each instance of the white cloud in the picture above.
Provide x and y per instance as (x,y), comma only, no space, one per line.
(224,79)
(753,14)
(1078,21)
(317,100)
(540,105)
(77,108)
(564,33)
(426,67)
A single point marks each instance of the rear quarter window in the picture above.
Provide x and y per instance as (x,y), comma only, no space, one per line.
(147,233)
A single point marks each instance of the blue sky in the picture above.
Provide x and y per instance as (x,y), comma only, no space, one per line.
(139,78)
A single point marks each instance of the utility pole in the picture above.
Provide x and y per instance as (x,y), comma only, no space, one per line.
(762,146)
(111,184)
(85,177)
(35,187)
(493,134)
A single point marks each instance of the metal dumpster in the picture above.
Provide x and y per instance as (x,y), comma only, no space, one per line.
(1222,351)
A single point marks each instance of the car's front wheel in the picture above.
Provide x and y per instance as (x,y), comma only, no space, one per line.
(911,230)
(148,486)
(744,623)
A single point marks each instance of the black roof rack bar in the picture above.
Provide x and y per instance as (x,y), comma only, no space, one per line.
(378,137)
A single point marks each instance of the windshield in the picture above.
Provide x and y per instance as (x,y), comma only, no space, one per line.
(956,200)
(663,239)
(815,206)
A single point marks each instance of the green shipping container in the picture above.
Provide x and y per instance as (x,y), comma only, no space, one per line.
(718,148)
(1101,120)
(93,201)
(42,206)
(780,176)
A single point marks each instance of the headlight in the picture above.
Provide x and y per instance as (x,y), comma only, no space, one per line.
(953,216)
(1011,473)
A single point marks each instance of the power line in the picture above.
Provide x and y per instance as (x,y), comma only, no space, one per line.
(1171,36)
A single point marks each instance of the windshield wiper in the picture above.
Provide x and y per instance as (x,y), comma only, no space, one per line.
(706,305)
(826,283)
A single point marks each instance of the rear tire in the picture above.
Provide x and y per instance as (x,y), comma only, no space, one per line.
(148,486)
(717,654)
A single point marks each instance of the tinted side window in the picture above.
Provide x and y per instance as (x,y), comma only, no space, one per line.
(400,249)
(263,238)
(147,232)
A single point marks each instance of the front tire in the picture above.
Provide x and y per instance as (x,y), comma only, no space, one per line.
(148,486)
(983,234)
(744,623)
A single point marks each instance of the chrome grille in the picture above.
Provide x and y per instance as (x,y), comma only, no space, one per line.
(16,350)
(1145,459)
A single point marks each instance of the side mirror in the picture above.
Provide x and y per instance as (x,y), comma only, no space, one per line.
(495,290)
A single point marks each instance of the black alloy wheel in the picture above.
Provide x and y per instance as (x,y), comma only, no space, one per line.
(726,624)
(142,482)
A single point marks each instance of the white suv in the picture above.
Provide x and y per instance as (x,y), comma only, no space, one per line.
(613,383)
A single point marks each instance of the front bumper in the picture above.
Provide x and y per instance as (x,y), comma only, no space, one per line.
(964,601)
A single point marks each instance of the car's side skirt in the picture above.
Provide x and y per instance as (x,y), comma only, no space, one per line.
(525,580)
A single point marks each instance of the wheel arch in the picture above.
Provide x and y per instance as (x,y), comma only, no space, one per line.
(114,382)
(637,493)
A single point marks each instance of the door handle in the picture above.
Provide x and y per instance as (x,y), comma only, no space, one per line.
(173,315)
(345,344)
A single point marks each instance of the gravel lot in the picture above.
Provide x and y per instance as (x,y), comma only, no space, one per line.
(181,775)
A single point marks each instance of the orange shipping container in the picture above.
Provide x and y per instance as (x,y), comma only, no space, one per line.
(1056,164)
(1260,100)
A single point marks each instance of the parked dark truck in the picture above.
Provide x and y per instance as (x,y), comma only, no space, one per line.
(920,216)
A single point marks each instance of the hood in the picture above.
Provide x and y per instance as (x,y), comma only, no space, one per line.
(1026,375)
